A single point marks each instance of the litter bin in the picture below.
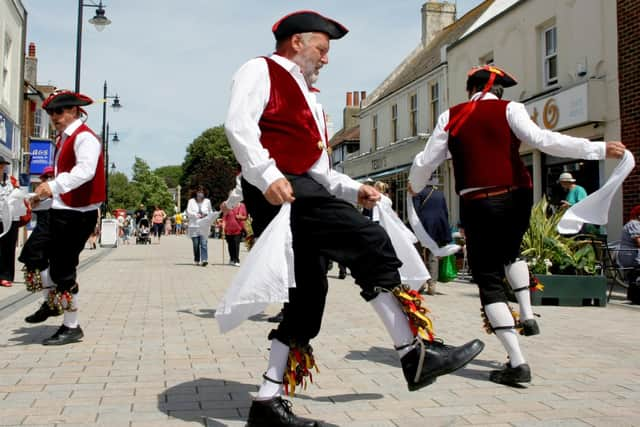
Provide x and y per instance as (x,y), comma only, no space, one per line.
(109,233)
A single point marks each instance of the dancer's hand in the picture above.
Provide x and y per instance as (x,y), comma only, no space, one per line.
(43,191)
(279,192)
(368,196)
(615,149)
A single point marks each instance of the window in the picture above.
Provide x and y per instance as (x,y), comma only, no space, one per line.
(435,104)
(413,114)
(394,122)
(550,56)
(5,66)
(374,133)
(37,124)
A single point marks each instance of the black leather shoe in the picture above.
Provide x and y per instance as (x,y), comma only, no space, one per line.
(511,376)
(275,412)
(43,313)
(530,327)
(437,359)
(277,318)
(65,335)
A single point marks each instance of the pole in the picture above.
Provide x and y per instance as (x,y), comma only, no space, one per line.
(106,165)
(78,45)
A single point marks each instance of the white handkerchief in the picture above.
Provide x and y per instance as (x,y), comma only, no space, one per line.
(594,209)
(264,277)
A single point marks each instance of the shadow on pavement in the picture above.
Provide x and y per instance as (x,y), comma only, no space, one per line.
(376,354)
(209,401)
(33,334)
(204,313)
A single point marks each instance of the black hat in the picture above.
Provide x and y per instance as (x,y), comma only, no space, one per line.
(479,76)
(4,161)
(305,21)
(65,99)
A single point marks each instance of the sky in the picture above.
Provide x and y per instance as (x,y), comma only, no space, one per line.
(171,62)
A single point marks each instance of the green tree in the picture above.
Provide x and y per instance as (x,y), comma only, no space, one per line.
(122,193)
(150,188)
(170,174)
(209,162)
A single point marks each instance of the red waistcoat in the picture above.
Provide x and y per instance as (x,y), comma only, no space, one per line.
(485,150)
(288,129)
(91,191)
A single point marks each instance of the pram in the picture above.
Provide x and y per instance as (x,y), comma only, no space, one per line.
(143,232)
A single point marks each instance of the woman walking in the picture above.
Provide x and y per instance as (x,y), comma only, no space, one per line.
(200,213)
(158,218)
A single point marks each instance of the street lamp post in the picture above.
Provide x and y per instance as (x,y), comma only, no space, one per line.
(99,21)
(106,166)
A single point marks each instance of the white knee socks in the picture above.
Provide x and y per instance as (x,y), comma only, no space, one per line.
(394,319)
(71,317)
(518,277)
(499,315)
(277,365)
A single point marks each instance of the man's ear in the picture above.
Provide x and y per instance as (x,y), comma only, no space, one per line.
(297,42)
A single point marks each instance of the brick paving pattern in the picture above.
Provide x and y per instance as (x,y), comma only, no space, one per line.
(152,356)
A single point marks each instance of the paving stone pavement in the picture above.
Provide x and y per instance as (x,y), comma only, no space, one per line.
(153,356)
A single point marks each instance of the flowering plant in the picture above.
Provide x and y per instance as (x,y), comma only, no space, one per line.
(549,252)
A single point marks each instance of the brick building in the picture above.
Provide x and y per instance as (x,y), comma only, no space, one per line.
(629,80)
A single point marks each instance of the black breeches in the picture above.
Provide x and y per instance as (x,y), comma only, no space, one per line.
(324,227)
(493,229)
(34,253)
(69,233)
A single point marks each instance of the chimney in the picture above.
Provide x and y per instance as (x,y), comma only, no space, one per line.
(363,96)
(31,65)
(436,16)
(356,98)
(349,99)
(351,113)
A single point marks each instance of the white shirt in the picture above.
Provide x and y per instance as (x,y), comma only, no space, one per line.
(198,211)
(235,196)
(250,93)
(554,143)
(87,150)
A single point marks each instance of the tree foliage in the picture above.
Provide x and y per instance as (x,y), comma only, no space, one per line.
(209,162)
(145,187)
(170,174)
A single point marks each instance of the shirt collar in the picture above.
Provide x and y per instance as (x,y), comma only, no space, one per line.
(291,67)
(72,127)
(476,96)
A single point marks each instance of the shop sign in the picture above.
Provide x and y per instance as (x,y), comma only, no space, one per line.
(41,155)
(561,110)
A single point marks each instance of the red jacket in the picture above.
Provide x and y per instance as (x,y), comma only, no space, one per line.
(485,151)
(90,192)
(288,128)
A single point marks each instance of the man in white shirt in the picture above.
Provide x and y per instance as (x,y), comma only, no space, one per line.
(77,191)
(483,137)
(277,130)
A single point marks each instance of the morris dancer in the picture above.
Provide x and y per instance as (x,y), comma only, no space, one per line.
(77,191)
(483,136)
(277,130)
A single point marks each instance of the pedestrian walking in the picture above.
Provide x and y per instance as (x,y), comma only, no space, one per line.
(77,191)
(157,220)
(9,239)
(200,214)
(277,131)
(483,136)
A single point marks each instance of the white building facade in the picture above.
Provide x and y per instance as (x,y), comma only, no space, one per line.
(564,56)
(12,38)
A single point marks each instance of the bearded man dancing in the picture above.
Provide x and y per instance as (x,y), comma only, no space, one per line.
(483,137)
(277,130)
(77,191)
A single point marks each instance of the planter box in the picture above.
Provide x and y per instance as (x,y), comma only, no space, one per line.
(571,290)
